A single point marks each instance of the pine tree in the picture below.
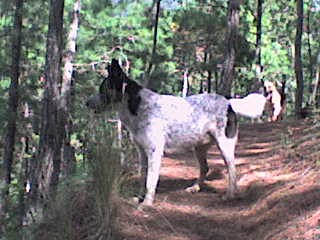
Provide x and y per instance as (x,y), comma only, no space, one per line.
(297,58)
(12,111)
(47,172)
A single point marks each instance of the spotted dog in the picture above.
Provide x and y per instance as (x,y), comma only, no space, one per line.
(274,106)
(159,123)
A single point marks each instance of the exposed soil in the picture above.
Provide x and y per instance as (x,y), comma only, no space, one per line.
(279,192)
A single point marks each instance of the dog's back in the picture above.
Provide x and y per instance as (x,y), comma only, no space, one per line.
(183,122)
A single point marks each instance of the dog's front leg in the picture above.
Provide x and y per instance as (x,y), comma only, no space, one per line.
(143,172)
(227,148)
(154,164)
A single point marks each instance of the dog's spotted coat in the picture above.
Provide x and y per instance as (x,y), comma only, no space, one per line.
(160,123)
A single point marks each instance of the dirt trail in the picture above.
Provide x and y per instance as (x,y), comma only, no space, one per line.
(279,197)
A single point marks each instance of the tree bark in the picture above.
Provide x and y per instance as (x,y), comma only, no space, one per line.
(67,89)
(230,49)
(258,40)
(51,133)
(154,46)
(297,59)
(13,102)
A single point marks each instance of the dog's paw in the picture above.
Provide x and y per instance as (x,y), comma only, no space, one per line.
(194,188)
(145,204)
(227,197)
(135,200)
(230,196)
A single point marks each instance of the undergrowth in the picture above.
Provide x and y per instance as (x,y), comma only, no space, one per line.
(83,208)
(306,147)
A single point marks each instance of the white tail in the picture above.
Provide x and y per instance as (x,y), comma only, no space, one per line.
(250,106)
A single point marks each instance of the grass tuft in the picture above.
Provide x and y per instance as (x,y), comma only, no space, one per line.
(83,207)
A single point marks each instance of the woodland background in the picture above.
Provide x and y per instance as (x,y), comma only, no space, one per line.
(53,55)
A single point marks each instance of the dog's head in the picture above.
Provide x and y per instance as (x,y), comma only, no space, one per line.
(269,87)
(111,89)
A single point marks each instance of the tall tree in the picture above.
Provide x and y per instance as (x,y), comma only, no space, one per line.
(185,85)
(67,88)
(52,133)
(154,46)
(315,96)
(12,107)
(309,36)
(258,39)
(230,48)
(312,66)
(209,71)
(297,58)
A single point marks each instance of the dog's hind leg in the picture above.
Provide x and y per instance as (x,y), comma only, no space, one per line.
(200,153)
(227,148)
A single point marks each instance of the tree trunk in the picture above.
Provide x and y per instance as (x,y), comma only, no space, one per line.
(258,40)
(230,49)
(67,89)
(154,47)
(216,77)
(51,133)
(185,87)
(311,65)
(13,102)
(209,79)
(209,76)
(297,58)
(309,42)
(316,88)
(314,97)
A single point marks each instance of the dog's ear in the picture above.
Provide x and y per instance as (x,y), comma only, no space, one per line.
(103,87)
(109,69)
(115,67)
(116,75)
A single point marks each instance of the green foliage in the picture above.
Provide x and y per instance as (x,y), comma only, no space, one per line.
(5,84)
(124,32)
(279,21)
(6,22)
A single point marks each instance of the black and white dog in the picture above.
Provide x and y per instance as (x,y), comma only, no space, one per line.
(158,123)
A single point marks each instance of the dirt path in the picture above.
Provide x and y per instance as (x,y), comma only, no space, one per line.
(279,196)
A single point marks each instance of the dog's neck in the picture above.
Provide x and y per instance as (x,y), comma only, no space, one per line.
(131,97)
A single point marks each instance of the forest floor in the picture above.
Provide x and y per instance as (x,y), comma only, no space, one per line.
(279,192)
